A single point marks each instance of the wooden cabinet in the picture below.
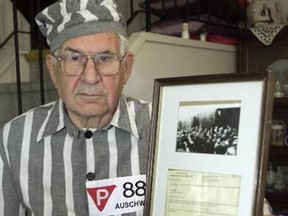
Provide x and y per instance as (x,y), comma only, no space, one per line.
(255,57)
(279,199)
(278,156)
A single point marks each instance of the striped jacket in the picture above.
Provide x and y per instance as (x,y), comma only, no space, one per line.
(45,158)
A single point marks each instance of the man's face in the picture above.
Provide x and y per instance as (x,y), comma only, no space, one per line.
(90,95)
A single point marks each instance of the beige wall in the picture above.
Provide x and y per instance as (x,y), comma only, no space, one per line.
(159,56)
(7,53)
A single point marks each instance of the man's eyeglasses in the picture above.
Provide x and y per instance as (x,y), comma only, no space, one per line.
(73,64)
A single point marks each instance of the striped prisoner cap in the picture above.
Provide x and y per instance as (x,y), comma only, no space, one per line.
(66,19)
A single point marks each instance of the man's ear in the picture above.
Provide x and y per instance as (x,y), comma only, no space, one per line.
(51,67)
(128,65)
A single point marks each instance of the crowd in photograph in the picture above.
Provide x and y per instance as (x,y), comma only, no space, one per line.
(217,139)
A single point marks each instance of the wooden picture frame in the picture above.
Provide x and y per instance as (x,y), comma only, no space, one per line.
(186,182)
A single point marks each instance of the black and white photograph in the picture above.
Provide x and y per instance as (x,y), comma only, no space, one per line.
(208,127)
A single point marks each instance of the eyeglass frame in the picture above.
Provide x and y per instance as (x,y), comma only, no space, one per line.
(87,57)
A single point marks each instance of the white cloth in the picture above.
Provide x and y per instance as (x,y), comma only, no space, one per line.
(266,32)
(267,209)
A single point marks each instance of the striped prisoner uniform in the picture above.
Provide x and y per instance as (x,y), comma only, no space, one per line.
(45,158)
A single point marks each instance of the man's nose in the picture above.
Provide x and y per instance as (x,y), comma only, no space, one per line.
(90,73)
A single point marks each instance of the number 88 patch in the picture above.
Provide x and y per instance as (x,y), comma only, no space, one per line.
(116,196)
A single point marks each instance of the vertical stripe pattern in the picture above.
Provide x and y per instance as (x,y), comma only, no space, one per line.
(5,138)
(68,174)
(112,153)
(24,168)
(1,189)
(47,170)
(44,158)
(90,156)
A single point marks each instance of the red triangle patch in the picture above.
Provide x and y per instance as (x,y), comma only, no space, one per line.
(101,195)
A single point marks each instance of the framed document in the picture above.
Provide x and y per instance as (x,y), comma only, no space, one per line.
(209,145)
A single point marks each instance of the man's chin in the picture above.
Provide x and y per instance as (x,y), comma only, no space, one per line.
(93,109)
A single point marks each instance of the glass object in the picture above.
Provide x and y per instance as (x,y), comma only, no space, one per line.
(73,64)
(280,69)
(279,182)
(203,35)
(278,131)
(279,89)
(185,31)
(270,177)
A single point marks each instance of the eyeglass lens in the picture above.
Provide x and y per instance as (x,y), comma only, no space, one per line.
(106,64)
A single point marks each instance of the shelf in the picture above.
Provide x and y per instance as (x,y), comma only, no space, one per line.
(255,57)
(279,201)
(280,105)
(279,154)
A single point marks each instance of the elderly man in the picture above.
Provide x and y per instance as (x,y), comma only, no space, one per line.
(86,153)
